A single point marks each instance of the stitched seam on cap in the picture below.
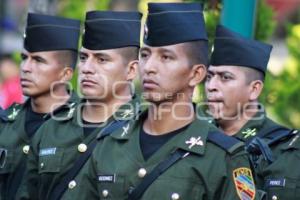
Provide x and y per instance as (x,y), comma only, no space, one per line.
(125,20)
(51,25)
(166,12)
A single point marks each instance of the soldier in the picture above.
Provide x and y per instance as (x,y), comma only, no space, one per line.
(233,85)
(51,45)
(168,153)
(108,64)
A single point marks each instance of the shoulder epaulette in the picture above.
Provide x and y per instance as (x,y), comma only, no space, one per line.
(228,143)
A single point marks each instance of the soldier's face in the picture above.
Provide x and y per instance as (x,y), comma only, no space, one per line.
(39,70)
(102,74)
(165,72)
(227,91)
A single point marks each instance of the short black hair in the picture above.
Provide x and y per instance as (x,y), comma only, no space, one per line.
(253,74)
(197,52)
(68,58)
(129,53)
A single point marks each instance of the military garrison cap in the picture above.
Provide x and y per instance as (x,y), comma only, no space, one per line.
(230,48)
(50,33)
(111,29)
(173,23)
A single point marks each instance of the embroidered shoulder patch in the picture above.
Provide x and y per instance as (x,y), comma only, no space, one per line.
(244,183)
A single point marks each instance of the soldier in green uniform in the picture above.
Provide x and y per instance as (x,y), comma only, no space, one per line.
(233,85)
(107,66)
(48,60)
(168,153)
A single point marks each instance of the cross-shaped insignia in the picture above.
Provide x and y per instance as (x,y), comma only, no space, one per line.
(14,114)
(127,113)
(125,130)
(249,132)
(194,141)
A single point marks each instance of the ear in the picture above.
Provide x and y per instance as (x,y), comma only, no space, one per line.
(132,67)
(198,74)
(67,74)
(256,88)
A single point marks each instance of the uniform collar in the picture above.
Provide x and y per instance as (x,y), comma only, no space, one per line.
(251,128)
(193,139)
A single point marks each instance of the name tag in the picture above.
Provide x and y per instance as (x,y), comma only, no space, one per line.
(106,178)
(47,151)
(276,182)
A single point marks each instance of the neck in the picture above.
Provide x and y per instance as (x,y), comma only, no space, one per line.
(49,102)
(169,116)
(97,111)
(232,127)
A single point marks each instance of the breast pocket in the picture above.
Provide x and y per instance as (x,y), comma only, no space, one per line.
(50,160)
(169,188)
(111,186)
(283,189)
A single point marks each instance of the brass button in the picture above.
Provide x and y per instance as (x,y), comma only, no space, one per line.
(26,149)
(142,172)
(42,165)
(295,131)
(274,197)
(175,196)
(104,193)
(82,148)
(72,184)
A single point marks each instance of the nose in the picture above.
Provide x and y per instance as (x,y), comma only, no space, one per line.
(211,84)
(87,67)
(26,65)
(149,66)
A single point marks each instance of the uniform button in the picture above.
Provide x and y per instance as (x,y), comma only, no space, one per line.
(274,197)
(42,165)
(142,172)
(104,193)
(26,149)
(210,121)
(82,148)
(72,184)
(175,196)
(295,131)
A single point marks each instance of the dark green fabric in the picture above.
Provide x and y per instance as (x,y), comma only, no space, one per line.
(207,173)
(55,149)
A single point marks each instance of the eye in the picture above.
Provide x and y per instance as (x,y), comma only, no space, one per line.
(144,55)
(208,77)
(226,77)
(24,57)
(38,59)
(82,57)
(101,60)
(166,57)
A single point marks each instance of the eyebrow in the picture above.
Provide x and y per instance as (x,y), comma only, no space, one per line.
(39,57)
(219,72)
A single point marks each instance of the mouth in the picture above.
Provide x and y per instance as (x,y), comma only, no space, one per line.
(149,84)
(25,81)
(88,82)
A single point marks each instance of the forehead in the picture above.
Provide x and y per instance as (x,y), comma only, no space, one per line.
(236,70)
(111,52)
(176,48)
(41,53)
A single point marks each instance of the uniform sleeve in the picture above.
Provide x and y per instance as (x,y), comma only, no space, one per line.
(29,184)
(239,182)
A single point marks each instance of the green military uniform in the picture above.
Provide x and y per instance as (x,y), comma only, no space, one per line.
(58,144)
(280,179)
(208,172)
(16,142)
